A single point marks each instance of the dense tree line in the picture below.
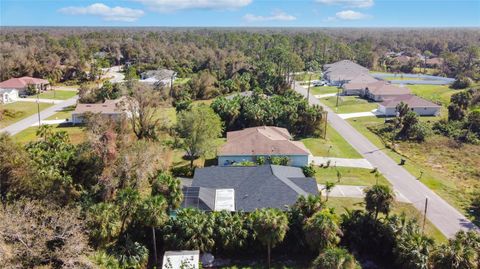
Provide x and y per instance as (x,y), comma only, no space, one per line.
(62,54)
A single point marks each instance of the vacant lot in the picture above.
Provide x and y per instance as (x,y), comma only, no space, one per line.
(348,176)
(439,163)
(349,104)
(341,204)
(436,93)
(57,95)
(323,90)
(19,111)
(76,133)
(333,146)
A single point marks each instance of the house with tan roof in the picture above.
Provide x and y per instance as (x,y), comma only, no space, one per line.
(382,90)
(263,141)
(112,109)
(418,105)
(358,85)
(342,72)
(22,84)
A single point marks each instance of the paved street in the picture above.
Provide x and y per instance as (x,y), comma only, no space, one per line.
(447,219)
(31,120)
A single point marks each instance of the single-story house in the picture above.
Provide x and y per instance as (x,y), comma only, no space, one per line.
(113,109)
(21,84)
(8,96)
(264,141)
(342,72)
(358,85)
(418,105)
(434,62)
(247,188)
(161,77)
(381,90)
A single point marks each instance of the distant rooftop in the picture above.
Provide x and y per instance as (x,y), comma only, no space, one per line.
(18,83)
(408,99)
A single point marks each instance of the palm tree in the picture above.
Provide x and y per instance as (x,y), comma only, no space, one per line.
(270,226)
(328,188)
(152,212)
(379,199)
(127,201)
(170,188)
(229,230)
(323,230)
(412,248)
(191,229)
(335,258)
(308,205)
(104,220)
(461,252)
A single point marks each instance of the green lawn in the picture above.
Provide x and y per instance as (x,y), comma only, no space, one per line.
(349,176)
(181,81)
(342,203)
(333,146)
(400,77)
(435,162)
(435,93)
(57,95)
(65,113)
(349,104)
(323,90)
(76,133)
(21,111)
(426,71)
(306,76)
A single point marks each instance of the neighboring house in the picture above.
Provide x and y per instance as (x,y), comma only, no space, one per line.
(113,109)
(381,90)
(342,72)
(434,62)
(21,84)
(418,105)
(358,85)
(8,96)
(247,188)
(181,259)
(264,141)
(162,77)
(403,59)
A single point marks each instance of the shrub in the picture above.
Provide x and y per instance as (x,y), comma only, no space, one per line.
(461,83)
(280,160)
(309,171)
(335,258)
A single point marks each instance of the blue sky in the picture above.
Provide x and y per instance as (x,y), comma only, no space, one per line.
(290,13)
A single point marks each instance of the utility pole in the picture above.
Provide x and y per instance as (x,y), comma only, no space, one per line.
(308,89)
(38,106)
(425,214)
(325,113)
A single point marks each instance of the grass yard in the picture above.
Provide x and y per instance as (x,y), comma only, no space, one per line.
(22,110)
(333,146)
(306,76)
(65,113)
(435,93)
(181,81)
(349,104)
(76,133)
(400,77)
(439,163)
(426,71)
(341,204)
(323,90)
(349,176)
(57,95)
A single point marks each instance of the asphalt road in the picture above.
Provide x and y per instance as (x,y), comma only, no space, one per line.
(447,219)
(19,126)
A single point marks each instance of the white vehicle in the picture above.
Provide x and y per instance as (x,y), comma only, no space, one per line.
(319,83)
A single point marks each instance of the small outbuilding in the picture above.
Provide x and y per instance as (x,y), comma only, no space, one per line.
(8,96)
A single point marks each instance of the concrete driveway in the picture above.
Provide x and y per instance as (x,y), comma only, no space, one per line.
(444,216)
(372,113)
(355,192)
(343,162)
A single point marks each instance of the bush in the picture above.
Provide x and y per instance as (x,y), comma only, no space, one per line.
(335,258)
(280,160)
(309,171)
(461,83)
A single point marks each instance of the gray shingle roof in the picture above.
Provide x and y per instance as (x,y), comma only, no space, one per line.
(266,186)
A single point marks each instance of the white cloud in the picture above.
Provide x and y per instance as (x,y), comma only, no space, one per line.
(173,5)
(107,13)
(276,16)
(348,3)
(348,15)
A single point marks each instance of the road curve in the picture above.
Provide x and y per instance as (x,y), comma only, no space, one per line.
(445,217)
